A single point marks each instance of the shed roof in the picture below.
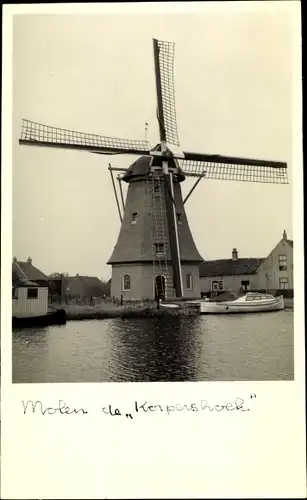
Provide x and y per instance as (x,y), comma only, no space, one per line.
(229,267)
(23,283)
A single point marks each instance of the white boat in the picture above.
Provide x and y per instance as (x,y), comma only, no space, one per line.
(251,302)
(170,306)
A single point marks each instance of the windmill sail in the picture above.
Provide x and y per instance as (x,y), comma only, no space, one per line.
(164,53)
(169,240)
(37,134)
(234,169)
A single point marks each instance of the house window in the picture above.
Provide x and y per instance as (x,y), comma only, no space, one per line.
(217,286)
(282,262)
(157,190)
(283,283)
(189,281)
(32,293)
(159,248)
(126,283)
(245,284)
(14,293)
(134,218)
(179,218)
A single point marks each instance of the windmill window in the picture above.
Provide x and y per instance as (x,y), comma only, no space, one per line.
(159,248)
(126,283)
(189,281)
(217,286)
(283,283)
(179,218)
(282,261)
(134,218)
(32,293)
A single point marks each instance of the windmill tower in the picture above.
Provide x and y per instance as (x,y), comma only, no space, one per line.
(155,253)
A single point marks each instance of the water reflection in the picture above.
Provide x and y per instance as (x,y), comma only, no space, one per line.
(157,350)
(230,347)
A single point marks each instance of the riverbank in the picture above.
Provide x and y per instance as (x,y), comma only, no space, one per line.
(109,310)
(106,310)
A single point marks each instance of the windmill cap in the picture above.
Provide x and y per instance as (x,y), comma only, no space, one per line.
(142,165)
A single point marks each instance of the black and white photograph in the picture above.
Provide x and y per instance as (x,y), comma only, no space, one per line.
(152,241)
(152,176)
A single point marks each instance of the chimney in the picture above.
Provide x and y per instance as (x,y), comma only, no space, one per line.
(285,237)
(234,254)
(29,260)
(15,260)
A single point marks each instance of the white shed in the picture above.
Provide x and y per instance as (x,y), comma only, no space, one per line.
(29,299)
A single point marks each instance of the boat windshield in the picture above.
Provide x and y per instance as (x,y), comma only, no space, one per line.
(258,297)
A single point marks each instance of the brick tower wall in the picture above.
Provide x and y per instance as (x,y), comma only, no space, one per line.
(142,281)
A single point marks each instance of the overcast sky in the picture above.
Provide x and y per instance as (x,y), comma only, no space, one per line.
(94,73)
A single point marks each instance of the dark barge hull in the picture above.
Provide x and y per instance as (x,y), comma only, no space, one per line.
(58,317)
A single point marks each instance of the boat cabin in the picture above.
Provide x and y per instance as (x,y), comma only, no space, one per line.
(29,299)
(257,296)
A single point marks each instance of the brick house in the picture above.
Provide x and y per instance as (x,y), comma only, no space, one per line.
(273,273)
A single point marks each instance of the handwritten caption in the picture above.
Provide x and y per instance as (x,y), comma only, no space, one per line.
(139,407)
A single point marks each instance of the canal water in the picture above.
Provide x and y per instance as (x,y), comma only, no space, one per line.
(201,348)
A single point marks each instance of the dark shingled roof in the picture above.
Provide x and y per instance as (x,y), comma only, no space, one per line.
(89,286)
(135,242)
(229,267)
(25,270)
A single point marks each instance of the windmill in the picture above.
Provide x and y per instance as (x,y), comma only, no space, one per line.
(155,253)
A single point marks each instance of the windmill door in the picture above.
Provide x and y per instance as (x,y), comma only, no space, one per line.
(160,287)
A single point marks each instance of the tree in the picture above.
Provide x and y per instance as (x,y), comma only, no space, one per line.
(58,275)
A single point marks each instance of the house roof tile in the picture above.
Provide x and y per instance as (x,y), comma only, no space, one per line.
(86,285)
(229,267)
(25,270)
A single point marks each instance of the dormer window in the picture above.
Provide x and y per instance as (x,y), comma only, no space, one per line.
(134,218)
(159,248)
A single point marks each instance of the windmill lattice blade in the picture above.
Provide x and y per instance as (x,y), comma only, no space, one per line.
(43,135)
(232,160)
(235,172)
(164,54)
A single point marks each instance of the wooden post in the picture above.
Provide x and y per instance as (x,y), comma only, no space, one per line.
(116,197)
(62,291)
(121,191)
(193,187)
